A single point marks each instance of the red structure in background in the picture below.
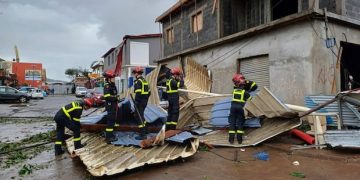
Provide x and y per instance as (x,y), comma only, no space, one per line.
(28,73)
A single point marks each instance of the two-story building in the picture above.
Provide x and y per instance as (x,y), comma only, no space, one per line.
(134,50)
(294,47)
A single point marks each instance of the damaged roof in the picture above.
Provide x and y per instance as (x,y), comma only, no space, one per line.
(103,159)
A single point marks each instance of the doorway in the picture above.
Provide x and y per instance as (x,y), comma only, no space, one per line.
(350,66)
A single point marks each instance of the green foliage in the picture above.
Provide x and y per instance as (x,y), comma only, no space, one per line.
(18,156)
(298,174)
(203,148)
(27,169)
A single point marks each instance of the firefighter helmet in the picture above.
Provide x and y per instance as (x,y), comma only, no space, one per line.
(175,71)
(109,74)
(88,102)
(138,69)
(238,79)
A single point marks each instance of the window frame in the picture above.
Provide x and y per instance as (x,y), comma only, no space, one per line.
(195,18)
(170,39)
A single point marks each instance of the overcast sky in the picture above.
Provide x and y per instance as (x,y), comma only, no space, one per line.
(62,34)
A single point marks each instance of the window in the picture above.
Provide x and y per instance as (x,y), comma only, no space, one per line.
(170,35)
(112,58)
(10,90)
(2,89)
(197,21)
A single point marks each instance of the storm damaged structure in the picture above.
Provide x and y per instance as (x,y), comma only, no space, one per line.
(295,48)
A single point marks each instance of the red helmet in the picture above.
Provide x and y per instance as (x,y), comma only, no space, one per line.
(88,102)
(175,71)
(109,74)
(238,79)
(138,69)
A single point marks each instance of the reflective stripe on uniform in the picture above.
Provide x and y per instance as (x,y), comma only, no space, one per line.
(252,85)
(109,129)
(116,125)
(231,132)
(240,132)
(168,85)
(106,95)
(58,142)
(141,126)
(143,84)
(238,92)
(74,106)
(76,119)
(171,123)
(76,139)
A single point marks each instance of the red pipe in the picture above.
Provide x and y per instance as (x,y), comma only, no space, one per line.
(307,138)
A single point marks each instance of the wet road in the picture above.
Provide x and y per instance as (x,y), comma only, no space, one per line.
(46,107)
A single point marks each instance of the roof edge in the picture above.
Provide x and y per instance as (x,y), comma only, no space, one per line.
(171,9)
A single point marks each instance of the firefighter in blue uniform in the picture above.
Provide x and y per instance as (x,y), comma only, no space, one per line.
(111,102)
(69,116)
(142,93)
(172,86)
(237,117)
(249,86)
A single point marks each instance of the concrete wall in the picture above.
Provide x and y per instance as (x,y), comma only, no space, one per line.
(154,49)
(352,8)
(300,64)
(324,61)
(181,21)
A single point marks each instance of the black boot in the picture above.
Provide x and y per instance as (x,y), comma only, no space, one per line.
(58,150)
(231,138)
(78,145)
(239,138)
(143,134)
(110,138)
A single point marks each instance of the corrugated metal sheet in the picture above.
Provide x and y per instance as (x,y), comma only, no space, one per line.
(201,131)
(181,137)
(128,138)
(257,69)
(103,159)
(152,113)
(343,138)
(269,129)
(264,104)
(268,105)
(196,79)
(349,117)
(220,115)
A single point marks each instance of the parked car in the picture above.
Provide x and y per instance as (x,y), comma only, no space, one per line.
(36,93)
(11,94)
(80,91)
(26,89)
(97,96)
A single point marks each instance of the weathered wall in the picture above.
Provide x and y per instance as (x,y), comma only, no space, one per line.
(300,64)
(154,49)
(330,5)
(352,9)
(324,61)
(181,21)
(288,49)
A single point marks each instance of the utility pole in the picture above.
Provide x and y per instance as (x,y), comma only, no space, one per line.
(33,75)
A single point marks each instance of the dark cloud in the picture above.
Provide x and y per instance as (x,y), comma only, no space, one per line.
(72,33)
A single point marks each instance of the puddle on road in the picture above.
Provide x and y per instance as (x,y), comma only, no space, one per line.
(17,129)
(46,166)
(19,105)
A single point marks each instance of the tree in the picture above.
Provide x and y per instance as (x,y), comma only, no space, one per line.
(72,72)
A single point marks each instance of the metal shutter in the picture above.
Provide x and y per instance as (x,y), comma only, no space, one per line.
(256,69)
